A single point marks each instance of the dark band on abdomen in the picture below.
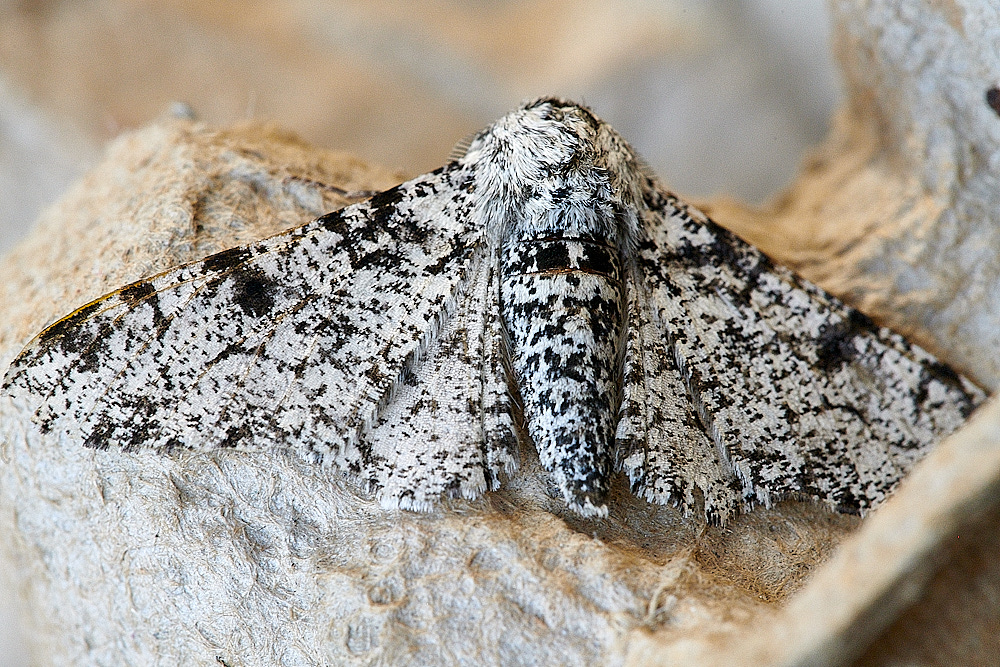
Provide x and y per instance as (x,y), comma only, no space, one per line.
(561,255)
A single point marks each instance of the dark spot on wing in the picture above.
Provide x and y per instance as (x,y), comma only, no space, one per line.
(943,374)
(937,371)
(334,222)
(226,260)
(253,292)
(139,292)
(98,437)
(835,344)
(234,436)
(136,292)
(383,205)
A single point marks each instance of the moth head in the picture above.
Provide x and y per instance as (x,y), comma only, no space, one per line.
(555,159)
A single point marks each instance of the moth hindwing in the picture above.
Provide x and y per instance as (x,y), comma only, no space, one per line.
(384,339)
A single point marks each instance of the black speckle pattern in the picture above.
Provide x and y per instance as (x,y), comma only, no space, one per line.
(385,340)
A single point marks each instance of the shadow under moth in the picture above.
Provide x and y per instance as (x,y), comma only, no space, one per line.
(544,273)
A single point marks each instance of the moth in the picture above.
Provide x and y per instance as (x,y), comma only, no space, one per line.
(542,285)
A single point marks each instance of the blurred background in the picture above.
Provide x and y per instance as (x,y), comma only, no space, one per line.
(719,96)
(722,97)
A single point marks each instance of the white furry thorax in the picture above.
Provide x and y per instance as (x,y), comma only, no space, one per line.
(554,157)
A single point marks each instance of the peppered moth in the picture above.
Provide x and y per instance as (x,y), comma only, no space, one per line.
(545,274)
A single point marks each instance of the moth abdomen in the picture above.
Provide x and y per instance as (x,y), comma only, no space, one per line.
(563,307)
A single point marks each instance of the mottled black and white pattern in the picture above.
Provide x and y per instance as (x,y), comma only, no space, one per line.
(542,274)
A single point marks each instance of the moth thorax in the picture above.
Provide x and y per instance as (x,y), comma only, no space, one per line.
(562,301)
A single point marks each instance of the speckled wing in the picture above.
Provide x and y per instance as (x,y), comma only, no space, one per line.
(301,340)
(451,412)
(788,391)
(661,442)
